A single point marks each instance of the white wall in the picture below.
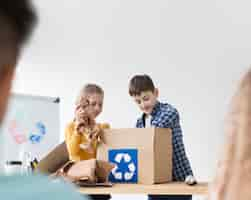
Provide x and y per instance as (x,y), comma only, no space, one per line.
(194,50)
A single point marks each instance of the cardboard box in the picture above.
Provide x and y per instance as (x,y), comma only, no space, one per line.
(141,155)
(54,160)
(59,156)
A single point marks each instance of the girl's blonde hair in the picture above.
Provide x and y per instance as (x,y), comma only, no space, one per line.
(89,89)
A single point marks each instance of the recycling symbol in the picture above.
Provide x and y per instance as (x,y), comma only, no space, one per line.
(125,169)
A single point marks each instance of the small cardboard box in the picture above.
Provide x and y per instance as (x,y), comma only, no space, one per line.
(59,156)
(54,160)
(141,155)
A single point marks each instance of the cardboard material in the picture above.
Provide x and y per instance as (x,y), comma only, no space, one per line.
(59,156)
(103,169)
(141,155)
(54,160)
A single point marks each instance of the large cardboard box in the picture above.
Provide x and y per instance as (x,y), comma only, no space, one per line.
(141,155)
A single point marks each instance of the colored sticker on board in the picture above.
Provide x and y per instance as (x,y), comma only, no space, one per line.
(14,128)
(16,134)
(37,136)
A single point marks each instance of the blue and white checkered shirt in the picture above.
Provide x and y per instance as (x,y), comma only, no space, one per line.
(166,116)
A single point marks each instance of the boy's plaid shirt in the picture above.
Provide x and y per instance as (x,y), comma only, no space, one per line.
(166,116)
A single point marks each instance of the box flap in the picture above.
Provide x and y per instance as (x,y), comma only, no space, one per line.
(54,160)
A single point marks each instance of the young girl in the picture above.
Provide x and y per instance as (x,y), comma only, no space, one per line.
(83,133)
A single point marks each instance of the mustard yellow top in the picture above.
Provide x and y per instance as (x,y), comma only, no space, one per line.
(74,140)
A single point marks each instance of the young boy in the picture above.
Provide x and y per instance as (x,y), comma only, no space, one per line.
(17,19)
(162,115)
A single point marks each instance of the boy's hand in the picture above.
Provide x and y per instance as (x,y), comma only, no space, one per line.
(190,180)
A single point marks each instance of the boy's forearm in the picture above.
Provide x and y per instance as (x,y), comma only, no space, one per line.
(181,160)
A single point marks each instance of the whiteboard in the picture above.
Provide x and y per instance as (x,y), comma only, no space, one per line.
(31,126)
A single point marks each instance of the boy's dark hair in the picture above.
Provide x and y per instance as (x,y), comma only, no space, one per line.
(20,17)
(140,83)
